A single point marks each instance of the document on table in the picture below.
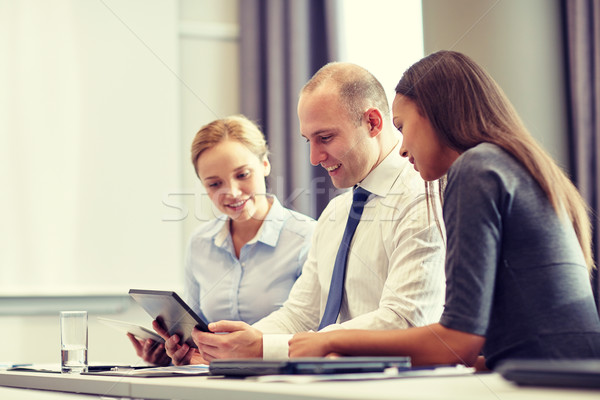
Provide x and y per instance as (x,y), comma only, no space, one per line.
(56,368)
(150,372)
(53,368)
(390,373)
(9,365)
(124,370)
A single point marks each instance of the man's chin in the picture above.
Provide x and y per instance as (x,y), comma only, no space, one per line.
(341,185)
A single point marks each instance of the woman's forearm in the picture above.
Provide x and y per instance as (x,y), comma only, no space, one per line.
(432,344)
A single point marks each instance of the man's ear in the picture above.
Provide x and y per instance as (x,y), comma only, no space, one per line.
(374,121)
(267,166)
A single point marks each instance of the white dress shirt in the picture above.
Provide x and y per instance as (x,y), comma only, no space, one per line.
(395,269)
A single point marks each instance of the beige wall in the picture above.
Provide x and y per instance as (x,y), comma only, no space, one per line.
(519,42)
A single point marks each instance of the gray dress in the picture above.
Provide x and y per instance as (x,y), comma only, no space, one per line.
(515,271)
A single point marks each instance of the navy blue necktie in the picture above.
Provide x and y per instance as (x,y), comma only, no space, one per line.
(336,288)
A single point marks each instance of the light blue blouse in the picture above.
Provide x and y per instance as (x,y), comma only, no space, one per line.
(221,286)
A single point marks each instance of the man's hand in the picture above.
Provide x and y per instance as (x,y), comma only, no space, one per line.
(233,339)
(311,344)
(179,354)
(150,351)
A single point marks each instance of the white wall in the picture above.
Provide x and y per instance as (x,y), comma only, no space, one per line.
(206,77)
(89,144)
(394,54)
(210,68)
(519,42)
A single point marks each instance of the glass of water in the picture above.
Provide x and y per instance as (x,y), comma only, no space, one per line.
(73,341)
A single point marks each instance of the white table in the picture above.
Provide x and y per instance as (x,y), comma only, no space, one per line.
(480,387)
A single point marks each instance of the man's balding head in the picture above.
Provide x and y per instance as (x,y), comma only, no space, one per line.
(357,88)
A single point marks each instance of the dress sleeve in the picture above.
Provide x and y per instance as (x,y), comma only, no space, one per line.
(474,199)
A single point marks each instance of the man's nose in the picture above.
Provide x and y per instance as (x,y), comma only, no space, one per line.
(317,155)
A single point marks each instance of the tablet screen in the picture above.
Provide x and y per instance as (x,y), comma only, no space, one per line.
(175,315)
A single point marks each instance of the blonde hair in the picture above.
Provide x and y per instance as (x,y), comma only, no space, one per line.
(235,127)
(466,107)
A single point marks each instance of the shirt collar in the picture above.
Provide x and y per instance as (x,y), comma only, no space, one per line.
(271,227)
(223,232)
(381,179)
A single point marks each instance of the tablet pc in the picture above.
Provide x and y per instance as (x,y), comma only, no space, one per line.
(136,330)
(174,314)
(306,366)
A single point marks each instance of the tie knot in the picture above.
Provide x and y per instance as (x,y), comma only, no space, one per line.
(359,198)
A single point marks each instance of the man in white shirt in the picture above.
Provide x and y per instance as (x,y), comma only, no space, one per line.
(394,273)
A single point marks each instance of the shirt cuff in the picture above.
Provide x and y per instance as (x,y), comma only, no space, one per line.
(275,347)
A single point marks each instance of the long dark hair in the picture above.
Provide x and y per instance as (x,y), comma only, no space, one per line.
(466,107)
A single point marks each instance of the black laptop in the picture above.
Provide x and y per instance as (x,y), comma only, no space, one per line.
(556,373)
(306,366)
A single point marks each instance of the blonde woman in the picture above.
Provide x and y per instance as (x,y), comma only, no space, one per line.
(241,265)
